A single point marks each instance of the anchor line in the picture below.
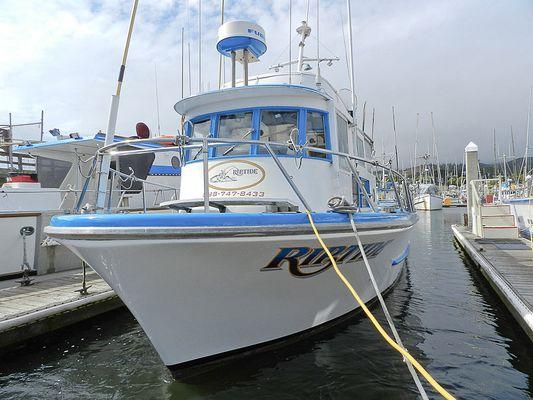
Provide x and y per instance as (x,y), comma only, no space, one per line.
(374,321)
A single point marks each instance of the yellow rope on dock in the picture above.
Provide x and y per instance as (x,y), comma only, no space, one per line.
(375,322)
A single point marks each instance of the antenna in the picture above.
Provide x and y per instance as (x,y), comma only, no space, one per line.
(199,46)
(220,59)
(364,115)
(182,61)
(290,42)
(317,42)
(157,101)
(352,73)
(372,131)
(189,81)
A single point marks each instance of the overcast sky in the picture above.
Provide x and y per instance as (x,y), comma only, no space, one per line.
(470,62)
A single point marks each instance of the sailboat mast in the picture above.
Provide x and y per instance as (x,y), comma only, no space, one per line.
(495,156)
(527,134)
(435,150)
(395,139)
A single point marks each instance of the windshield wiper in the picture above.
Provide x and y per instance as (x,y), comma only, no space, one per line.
(236,145)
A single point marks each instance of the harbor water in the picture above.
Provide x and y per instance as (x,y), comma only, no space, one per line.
(446,314)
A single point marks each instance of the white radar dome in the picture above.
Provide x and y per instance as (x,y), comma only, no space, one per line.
(237,36)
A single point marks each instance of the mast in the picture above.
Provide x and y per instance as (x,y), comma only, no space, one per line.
(513,153)
(395,139)
(435,150)
(113,113)
(495,156)
(416,145)
(527,135)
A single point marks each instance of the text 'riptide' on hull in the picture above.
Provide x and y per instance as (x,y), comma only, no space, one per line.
(233,266)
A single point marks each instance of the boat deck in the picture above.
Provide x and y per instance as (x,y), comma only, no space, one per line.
(52,302)
(507,264)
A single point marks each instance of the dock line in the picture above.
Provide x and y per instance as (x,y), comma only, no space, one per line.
(375,322)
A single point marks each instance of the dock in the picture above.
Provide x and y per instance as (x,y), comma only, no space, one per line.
(507,264)
(52,302)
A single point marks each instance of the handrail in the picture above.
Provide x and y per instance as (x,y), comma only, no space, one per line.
(185,143)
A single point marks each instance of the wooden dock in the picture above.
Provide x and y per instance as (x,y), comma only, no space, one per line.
(507,264)
(52,302)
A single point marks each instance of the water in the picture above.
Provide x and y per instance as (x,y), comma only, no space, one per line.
(446,314)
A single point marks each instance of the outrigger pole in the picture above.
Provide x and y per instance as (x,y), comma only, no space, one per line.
(112,122)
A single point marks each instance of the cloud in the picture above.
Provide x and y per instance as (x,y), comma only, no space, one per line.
(468,62)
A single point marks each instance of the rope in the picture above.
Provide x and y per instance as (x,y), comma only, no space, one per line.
(375,322)
(386,311)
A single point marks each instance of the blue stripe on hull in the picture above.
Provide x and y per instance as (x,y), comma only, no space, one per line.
(401,257)
(215,219)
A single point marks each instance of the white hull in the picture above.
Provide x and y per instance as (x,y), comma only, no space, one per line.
(199,299)
(427,202)
(522,209)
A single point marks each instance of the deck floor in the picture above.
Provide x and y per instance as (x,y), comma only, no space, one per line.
(508,266)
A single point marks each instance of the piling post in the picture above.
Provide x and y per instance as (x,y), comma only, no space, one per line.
(472,173)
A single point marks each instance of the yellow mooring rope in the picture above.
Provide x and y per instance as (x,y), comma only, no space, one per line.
(375,322)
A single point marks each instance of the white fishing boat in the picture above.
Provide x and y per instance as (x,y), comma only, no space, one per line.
(61,170)
(428,198)
(234,266)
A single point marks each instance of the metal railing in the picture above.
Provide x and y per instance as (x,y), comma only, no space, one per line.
(184,145)
(484,191)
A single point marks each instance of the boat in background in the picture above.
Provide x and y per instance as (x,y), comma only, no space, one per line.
(233,267)
(62,168)
(427,198)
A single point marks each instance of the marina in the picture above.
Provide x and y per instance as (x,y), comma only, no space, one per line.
(249,238)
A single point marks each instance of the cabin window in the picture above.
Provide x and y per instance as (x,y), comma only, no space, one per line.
(236,126)
(276,126)
(316,133)
(201,128)
(342,135)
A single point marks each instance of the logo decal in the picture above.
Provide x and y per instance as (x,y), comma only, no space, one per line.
(235,175)
(304,262)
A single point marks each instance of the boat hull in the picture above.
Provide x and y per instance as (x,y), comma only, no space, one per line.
(204,299)
(522,209)
(427,202)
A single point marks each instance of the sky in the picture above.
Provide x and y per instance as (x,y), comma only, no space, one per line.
(469,62)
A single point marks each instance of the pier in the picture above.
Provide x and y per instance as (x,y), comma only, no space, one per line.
(51,302)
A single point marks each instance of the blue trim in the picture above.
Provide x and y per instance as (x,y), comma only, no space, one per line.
(256,121)
(401,257)
(518,201)
(99,137)
(214,219)
(233,43)
(164,170)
